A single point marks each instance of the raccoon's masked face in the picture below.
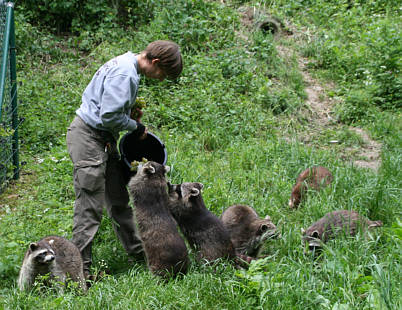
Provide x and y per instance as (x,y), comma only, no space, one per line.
(181,195)
(312,239)
(152,169)
(261,231)
(295,197)
(267,230)
(174,191)
(41,255)
(191,192)
(175,200)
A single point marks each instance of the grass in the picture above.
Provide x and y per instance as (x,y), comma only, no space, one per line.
(233,122)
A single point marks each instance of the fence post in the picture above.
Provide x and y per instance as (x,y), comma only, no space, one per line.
(13,82)
(8,66)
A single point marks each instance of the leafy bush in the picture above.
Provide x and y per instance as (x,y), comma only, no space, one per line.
(358,106)
(78,15)
(196,25)
(371,63)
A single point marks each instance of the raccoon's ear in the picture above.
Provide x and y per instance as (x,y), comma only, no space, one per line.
(268,218)
(33,246)
(190,189)
(315,234)
(194,192)
(149,169)
(303,231)
(167,169)
(200,186)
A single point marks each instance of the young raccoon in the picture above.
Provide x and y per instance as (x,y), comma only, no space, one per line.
(334,223)
(203,230)
(165,250)
(315,178)
(52,255)
(247,230)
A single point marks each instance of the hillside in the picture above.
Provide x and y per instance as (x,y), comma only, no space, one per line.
(268,89)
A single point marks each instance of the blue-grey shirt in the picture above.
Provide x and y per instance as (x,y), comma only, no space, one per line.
(109,97)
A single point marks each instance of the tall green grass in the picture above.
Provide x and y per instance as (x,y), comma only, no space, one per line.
(225,123)
(357,44)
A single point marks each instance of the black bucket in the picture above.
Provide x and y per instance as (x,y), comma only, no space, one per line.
(131,148)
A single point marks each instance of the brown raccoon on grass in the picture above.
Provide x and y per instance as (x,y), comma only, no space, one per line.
(311,178)
(333,224)
(55,256)
(247,230)
(165,250)
(203,230)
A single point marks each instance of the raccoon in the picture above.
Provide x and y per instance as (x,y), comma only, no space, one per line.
(203,230)
(165,250)
(311,178)
(334,223)
(52,255)
(247,230)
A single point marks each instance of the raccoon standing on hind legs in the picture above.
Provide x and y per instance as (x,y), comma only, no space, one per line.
(55,256)
(203,230)
(165,250)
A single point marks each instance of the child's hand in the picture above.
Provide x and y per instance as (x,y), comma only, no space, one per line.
(136,114)
(144,135)
(141,131)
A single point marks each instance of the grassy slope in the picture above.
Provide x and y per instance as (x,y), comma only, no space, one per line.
(222,126)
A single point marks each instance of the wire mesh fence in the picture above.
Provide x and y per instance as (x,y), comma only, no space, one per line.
(9,167)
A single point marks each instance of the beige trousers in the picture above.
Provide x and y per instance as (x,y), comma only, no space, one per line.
(98,182)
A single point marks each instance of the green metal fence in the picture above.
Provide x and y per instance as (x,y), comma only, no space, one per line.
(9,122)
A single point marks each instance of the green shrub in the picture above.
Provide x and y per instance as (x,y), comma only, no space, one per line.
(196,26)
(357,106)
(357,44)
(370,62)
(77,15)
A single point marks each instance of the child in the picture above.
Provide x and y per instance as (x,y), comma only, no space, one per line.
(106,109)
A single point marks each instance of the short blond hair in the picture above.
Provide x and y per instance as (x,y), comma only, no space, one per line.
(169,56)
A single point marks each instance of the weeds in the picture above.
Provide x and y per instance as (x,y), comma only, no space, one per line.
(224,123)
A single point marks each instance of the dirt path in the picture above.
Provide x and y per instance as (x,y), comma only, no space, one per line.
(319,107)
(370,153)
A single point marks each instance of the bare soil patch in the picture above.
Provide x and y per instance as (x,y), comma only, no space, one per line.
(318,110)
(369,154)
(321,107)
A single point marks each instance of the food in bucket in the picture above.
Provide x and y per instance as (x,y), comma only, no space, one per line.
(135,164)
